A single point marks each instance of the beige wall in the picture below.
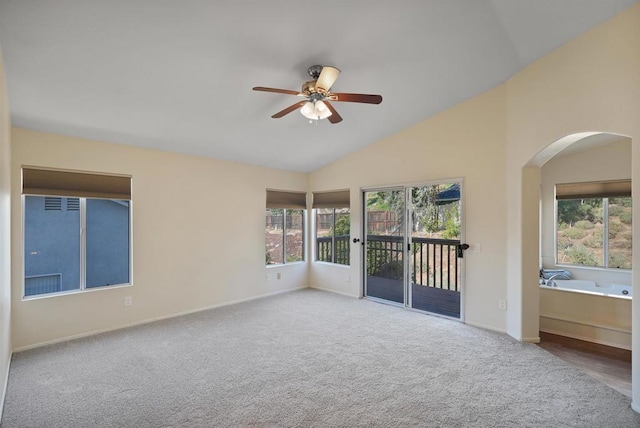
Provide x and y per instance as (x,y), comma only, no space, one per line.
(5,232)
(590,84)
(198,237)
(466,142)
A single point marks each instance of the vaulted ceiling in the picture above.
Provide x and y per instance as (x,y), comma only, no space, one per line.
(177,75)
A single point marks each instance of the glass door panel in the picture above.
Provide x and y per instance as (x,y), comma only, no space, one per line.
(385,244)
(435,280)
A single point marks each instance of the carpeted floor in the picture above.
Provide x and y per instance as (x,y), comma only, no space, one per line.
(306,358)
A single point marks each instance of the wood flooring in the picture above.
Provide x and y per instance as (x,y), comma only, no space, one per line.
(609,365)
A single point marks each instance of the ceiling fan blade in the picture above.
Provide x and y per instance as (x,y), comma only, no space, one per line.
(289,109)
(356,98)
(335,117)
(327,78)
(278,91)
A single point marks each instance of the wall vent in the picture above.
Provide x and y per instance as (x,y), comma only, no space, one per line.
(73,204)
(52,204)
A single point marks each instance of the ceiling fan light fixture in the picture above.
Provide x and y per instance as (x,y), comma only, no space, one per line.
(315,110)
(327,78)
(307,110)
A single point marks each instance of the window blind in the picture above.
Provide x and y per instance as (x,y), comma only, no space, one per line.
(52,182)
(333,199)
(594,189)
(284,199)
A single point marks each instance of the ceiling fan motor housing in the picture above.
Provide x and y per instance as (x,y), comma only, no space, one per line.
(314,71)
(309,87)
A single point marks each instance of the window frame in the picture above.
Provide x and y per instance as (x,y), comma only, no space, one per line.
(82,237)
(333,236)
(284,237)
(605,234)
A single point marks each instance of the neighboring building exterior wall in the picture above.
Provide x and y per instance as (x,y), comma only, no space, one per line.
(52,243)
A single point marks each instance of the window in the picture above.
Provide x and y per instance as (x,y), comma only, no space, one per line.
(594,224)
(333,219)
(76,241)
(284,227)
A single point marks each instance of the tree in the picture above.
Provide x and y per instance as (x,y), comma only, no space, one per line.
(572,210)
(343,224)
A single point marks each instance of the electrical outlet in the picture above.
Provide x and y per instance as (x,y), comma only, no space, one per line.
(502,304)
(279,275)
(477,248)
(348,278)
(269,277)
(128,300)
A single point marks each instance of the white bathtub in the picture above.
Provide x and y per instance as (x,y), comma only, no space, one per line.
(587,311)
(591,287)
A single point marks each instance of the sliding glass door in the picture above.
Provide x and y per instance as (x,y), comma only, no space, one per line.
(384,244)
(413,252)
(435,279)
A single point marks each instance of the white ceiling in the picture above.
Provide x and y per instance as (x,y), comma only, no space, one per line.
(177,75)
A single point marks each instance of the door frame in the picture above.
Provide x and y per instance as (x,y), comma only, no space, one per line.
(407,236)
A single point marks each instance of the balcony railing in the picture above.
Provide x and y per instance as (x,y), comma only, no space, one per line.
(434,262)
(324,246)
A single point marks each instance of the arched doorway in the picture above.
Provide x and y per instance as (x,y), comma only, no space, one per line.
(531,217)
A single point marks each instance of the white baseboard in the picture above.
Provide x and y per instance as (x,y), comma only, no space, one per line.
(498,330)
(635,407)
(4,387)
(623,330)
(485,327)
(150,320)
(334,291)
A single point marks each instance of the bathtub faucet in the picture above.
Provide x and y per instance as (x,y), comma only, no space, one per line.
(551,281)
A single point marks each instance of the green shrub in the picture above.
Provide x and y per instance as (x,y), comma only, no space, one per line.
(452,230)
(621,244)
(584,224)
(342,225)
(564,243)
(597,215)
(581,255)
(575,233)
(619,260)
(625,202)
(594,241)
(626,217)
(614,228)
(615,210)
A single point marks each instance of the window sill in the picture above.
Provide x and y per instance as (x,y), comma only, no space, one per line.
(70,292)
(595,268)
(273,266)
(322,263)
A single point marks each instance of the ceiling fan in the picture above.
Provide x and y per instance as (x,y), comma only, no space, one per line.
(317,94)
